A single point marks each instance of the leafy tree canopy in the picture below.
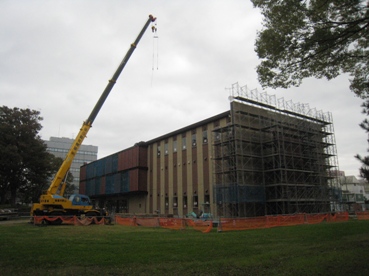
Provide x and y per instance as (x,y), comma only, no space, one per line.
(25,165)
(316,38)
(364,170)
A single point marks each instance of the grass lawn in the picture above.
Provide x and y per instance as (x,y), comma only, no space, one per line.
(321,249)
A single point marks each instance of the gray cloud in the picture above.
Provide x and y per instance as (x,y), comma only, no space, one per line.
(57,56)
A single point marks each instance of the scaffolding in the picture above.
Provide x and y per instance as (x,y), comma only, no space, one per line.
(274,157)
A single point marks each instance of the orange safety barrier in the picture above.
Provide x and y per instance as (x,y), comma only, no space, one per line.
(125,221)
(260,222)
(38,220)
(68,220)
(241,224)
(147,222)
(337,217)
(47,219)
(272,221)
(200,225)
(288,220)
(229,224)
(190,222)
(88,221)
(169,223)
(172,223)
(363,215)
(315,218)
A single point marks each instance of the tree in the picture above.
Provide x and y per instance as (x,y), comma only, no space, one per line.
(25,165)
(364,170)
(316,38)
(39,179)
(31,191)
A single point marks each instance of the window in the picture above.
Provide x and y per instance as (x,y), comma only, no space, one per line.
(205,136)
(175,201)
(184,201)
(175,146)
(195,201)
(166,148)
(207,199)
(184,143)
(158,150)
(166,202)
(193,138)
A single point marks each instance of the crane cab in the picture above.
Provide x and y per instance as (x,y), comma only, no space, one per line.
(80,200)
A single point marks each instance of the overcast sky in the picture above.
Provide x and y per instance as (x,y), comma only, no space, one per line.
(57,57)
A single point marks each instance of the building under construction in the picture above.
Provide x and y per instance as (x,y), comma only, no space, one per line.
(274,157)
(264,156)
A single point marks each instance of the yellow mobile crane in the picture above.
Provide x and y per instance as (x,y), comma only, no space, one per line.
(52,202)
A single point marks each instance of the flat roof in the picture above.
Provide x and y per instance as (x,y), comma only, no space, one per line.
(189,127)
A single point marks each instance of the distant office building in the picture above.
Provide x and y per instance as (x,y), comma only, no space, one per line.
(354,193)
(264,156)
(60,147)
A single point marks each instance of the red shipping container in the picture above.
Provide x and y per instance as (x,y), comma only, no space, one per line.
(82,187)
(133,180)
(132,158)
(142,157)
(82,172)
(142,180)
(137,180)
(126,160)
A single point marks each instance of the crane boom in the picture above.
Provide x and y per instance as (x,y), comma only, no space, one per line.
(64,168)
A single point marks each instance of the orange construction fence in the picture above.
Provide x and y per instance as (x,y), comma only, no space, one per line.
(288,220)
(337,217)
(224,224)
(125,221)
(363,215)
(316,218)
(69,220)
(232,224)
(147,222)
(172,223)
(228,224)
(169,223)
(200,225)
